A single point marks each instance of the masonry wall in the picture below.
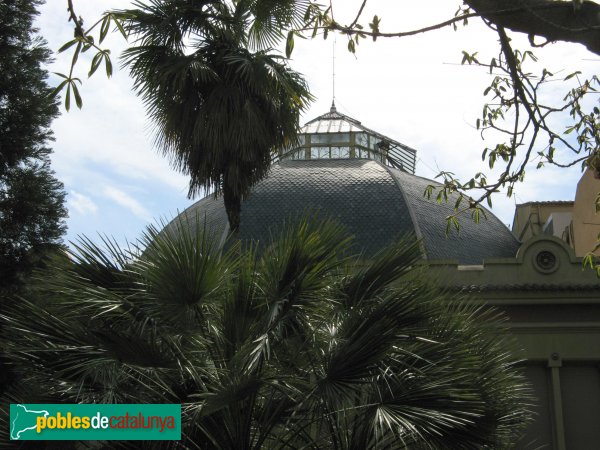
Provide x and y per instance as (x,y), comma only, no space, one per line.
(554,310)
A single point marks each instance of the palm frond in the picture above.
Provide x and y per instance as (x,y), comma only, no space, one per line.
(295,344)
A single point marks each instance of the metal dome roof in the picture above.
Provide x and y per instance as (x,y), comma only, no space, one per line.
(376,203)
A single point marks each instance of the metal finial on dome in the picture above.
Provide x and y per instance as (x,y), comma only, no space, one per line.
(333,109)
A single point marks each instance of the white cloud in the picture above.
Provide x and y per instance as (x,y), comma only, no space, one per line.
(128,202)
(81,203)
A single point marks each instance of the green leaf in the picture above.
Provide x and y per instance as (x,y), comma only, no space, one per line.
(104,28)
(95,63)
(455,223)
(351,46)
(88,44)
(289,44)
(458,202)
(315,29)
(78,101)
(428,191)
(67,45)
(467,58)
(58,88)
(119,25)
(374,25)
(109,68)
(452,221)
(68,97)
(571,75)
(76,54)
(307,13)
(492,160)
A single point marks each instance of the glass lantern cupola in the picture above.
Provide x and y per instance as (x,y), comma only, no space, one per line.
(337,136)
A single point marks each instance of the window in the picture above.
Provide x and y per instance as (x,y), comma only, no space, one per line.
(340,152)
(319,153)
(362,139)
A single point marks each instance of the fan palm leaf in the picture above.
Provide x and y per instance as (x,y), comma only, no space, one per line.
(220,110)
(297,345)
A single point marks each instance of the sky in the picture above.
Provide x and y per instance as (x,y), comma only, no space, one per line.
(412,89)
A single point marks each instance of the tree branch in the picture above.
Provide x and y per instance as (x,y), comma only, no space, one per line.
(358,14)
(77,21)
(353,30)
(553,20)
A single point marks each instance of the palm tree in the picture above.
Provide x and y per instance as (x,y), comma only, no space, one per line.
(303,346)
(220,109)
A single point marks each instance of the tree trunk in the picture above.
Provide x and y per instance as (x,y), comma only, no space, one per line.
(551,19)
(233,204)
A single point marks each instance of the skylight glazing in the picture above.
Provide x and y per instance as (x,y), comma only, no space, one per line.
(337,136)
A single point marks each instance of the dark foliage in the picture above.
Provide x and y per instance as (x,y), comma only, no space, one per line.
(221,109)
(302,347)
(32,209)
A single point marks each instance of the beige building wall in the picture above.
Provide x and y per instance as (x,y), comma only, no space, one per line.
(530,217)
(586,222)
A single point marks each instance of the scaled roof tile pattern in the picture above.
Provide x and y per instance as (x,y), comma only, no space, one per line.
(359,194)
(375,203)
(473,243)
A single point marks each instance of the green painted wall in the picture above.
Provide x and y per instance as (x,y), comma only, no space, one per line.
(553,306)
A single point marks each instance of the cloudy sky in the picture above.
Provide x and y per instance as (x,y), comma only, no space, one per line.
(411,89)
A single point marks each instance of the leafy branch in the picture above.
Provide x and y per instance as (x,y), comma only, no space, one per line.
(83,41)
(516,94)
(317,20)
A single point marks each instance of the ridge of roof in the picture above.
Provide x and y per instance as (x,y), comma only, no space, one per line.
(527,287)
(410,208)
(333,114)
(548,202)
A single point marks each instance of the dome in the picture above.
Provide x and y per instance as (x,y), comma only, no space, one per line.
(343,170)
(375,202)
